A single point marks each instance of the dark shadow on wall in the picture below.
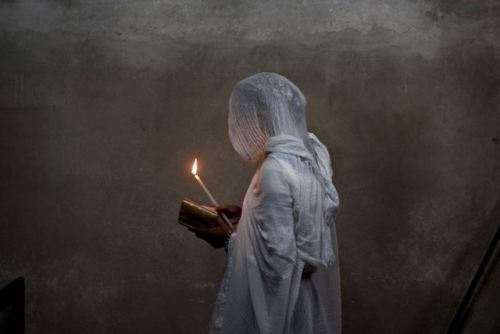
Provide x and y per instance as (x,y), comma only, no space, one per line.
(456,271)
(485,301)
(12,307)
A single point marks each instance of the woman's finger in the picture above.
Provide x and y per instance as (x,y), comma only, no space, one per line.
(229,210)
(233,221)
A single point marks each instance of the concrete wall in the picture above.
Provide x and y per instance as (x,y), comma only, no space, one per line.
(104,104)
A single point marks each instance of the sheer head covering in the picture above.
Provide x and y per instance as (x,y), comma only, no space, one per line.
(262,106)
(267,113)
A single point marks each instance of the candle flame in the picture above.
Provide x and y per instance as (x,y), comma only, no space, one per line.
(194,169)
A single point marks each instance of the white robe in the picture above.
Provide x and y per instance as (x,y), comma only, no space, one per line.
(287,221)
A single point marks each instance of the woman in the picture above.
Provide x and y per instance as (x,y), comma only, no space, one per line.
(282,273)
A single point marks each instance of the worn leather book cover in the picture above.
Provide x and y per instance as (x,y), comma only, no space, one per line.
(199,218)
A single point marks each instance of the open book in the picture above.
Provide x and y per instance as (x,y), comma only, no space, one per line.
(196,216)
(201,219)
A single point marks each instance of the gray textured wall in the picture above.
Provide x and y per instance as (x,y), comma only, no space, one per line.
(104,104)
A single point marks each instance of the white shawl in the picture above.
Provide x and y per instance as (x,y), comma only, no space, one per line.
(287,221)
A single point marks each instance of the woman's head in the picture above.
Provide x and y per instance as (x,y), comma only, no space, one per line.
(261,106)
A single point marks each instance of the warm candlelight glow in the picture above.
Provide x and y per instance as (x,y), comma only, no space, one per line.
(194,169)
(228,227)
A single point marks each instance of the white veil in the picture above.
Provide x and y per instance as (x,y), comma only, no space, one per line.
(262,106)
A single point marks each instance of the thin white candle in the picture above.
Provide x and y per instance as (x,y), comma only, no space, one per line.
(209,194)
(194,171)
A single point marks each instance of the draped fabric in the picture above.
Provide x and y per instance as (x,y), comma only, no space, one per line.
(283,227)
(287,222)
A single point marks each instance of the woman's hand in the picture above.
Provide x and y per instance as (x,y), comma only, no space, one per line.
(216,236)
(308,270)
(233,212)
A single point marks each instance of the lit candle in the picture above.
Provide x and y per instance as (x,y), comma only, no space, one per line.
(194,170)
